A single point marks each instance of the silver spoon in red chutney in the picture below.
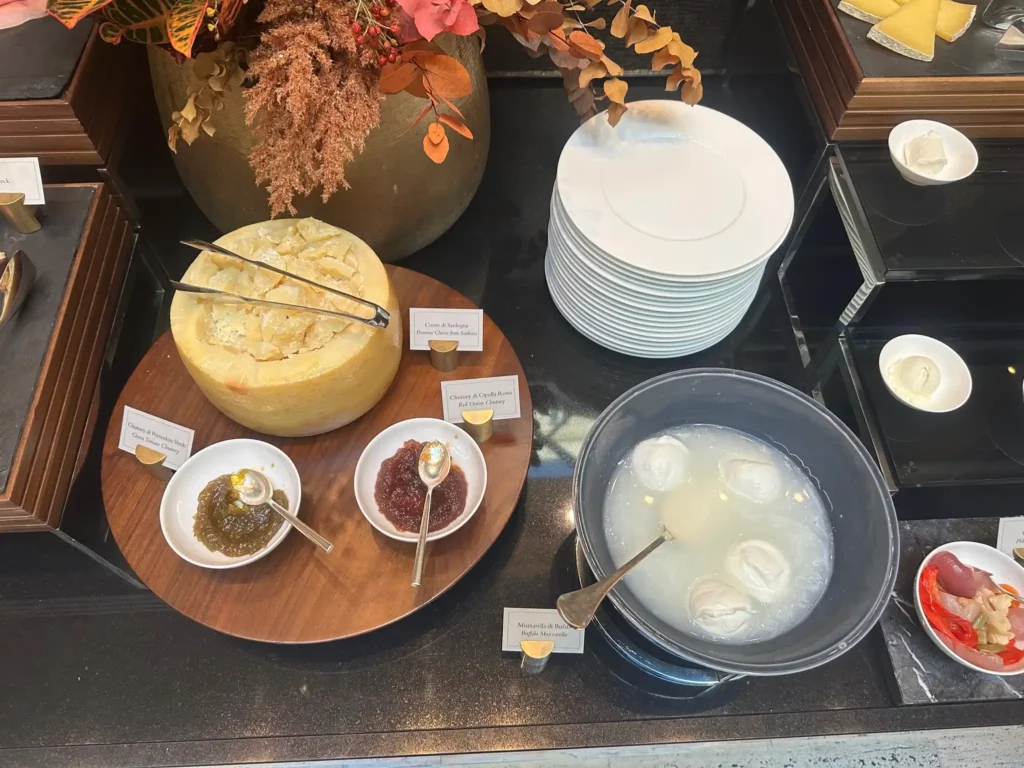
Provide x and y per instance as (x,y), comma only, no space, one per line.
(434,465)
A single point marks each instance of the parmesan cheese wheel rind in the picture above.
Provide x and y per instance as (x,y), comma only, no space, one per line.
(306,393)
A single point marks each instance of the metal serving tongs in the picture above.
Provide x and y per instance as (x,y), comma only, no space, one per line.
(381,317)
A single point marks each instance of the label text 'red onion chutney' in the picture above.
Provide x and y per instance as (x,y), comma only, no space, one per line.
(400,493)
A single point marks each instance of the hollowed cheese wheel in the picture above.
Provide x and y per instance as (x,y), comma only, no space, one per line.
(280,372)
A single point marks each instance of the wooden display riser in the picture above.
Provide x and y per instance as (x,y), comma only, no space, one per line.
(59,344)
(79,124)
(860,90)
(297,593)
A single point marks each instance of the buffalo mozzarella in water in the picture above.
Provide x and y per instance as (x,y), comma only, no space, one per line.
(719,608)
(761,568)
(661,463)
(708,520)
(755,480)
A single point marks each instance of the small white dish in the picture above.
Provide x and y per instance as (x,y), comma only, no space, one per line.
(961,154)
(181,496)
(955,382)
(466,454)
(1004,571)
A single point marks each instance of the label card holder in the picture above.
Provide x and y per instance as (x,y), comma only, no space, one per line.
(539,624)
(465,326)
(22,174)
(499,394)
(1011,535)
(166,437)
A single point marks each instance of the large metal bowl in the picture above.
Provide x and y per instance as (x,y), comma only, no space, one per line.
(858,503)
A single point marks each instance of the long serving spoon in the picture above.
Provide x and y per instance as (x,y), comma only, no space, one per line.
(256,489)
(435,463)
(578,608)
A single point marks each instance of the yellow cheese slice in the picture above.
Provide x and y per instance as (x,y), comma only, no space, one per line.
(910,31)
(870,11)
(954,18)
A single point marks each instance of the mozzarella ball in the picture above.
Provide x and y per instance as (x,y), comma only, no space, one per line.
(761,568)
(757,481)
(661,463)
(720,608)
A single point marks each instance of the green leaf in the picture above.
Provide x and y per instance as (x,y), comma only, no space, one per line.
(70,12)
(141,21)
(110,33)
(185,21)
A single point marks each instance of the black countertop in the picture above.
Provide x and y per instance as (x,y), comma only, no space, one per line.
(96,672)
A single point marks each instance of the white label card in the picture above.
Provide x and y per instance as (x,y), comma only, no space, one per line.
(1011,535)
(465,326)
(139,428)
(21,174)
(539,624)
(500,394)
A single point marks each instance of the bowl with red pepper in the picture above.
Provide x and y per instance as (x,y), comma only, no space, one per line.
(958,593)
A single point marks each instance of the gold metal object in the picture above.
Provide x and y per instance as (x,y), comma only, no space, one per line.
(153,462)
(1018,555)
(535,655)
(21,216)
(444,355)
(17,274)
(479,424)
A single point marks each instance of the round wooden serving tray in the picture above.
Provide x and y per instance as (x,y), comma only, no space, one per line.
(298,594)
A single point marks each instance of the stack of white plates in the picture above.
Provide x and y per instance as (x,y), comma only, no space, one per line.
(661,227)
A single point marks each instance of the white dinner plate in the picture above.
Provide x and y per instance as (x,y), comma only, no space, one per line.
(655,327)
(625,336)
(590,250)
(649,321)
(638,350)
(643,288)
(675,190)
(625,297)
(587,254)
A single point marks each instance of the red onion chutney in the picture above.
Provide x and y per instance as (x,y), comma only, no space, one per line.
(400,493)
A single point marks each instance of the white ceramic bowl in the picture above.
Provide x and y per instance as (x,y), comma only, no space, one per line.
(955,382)
(465,453)
(181,497)
(1003,570)
(961,155)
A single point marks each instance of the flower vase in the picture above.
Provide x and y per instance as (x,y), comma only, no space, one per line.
(399,200)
